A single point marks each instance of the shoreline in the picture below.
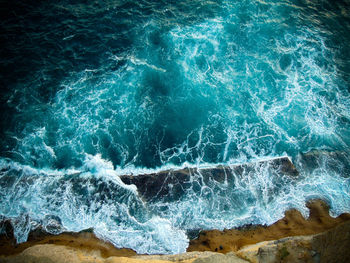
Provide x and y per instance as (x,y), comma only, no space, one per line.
(208,244)
(292,224)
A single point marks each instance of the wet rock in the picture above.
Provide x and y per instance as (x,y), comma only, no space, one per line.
(171,185)
(6,230)
(335,160)
(7,237)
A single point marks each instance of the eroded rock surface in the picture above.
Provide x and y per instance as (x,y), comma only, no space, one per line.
(171,185)
(293,224)
(327,247)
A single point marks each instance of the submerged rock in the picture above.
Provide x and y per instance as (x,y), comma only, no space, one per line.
(171,185)
(336,161)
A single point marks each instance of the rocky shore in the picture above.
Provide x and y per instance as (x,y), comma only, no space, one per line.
(319,238)
(292,224)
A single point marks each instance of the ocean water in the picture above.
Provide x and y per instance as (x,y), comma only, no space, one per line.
(93,90)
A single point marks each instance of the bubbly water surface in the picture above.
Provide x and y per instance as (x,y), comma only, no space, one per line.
(92,90)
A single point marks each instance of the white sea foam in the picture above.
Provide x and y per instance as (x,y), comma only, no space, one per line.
(257,197)
(104,169)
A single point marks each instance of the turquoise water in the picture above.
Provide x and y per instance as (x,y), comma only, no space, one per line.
(92,91)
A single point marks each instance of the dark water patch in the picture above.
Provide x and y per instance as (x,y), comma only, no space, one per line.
(44,43)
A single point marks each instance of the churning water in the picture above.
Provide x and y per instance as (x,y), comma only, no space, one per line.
(93,90)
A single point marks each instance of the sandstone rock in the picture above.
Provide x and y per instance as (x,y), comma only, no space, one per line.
(293,224)
(330,246)
(62,254)
(333,245)
(220,258)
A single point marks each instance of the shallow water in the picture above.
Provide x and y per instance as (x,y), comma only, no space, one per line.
(95,90)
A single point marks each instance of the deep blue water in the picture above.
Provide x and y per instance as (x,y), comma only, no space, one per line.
(91,90)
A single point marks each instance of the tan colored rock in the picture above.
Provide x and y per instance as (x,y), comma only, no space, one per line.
(333,245)
(82,241)
(330,246)
(250,252)
(62,254)
(49,253)
(53,253)
(295,249)
(221,258)
(178,257)
(293,224)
